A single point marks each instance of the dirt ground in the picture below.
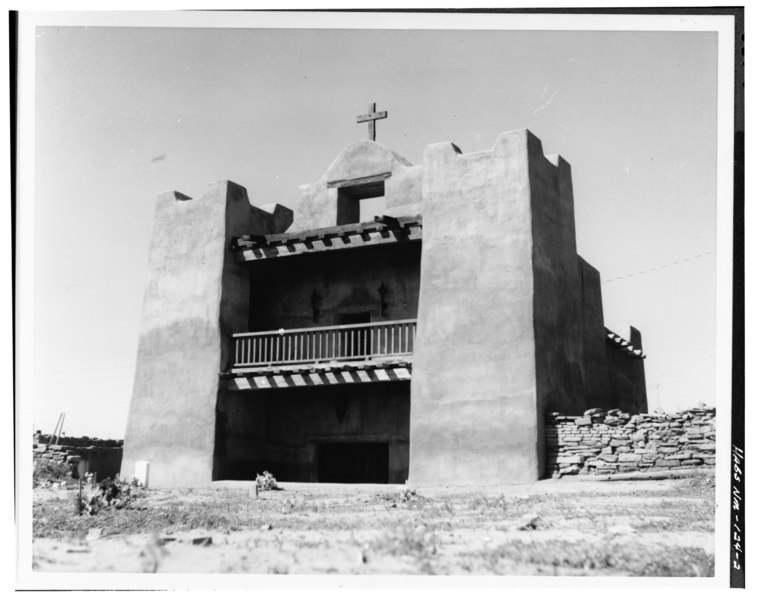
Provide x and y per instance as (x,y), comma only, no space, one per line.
(553,527)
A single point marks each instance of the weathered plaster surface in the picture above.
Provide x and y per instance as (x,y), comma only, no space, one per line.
(596,377)
(612,378)
(475,417)
(626,380)
(196,296)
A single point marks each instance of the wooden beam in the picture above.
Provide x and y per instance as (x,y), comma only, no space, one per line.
(340,183)
(371,116)
(387,221)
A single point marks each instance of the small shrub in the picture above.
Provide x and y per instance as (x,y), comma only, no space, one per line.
(266,482)
(407,498)
(407,494)
(47,472)
(79,505)
(110,494)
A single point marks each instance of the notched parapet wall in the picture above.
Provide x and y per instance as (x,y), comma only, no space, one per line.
(505,309)
(613,377)
(605,443)
(596,375)
(196,296)
(557,288)
(474,406)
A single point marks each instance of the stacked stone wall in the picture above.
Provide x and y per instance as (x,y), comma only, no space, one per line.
(77,442)
(102,457)
(609,442)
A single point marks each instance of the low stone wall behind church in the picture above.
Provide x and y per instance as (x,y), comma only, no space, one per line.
(101,457)
(604,443)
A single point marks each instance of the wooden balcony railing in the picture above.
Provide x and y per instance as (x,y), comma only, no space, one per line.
(319,344)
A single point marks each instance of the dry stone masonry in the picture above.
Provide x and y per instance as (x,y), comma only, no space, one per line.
(604,443)
(99,456)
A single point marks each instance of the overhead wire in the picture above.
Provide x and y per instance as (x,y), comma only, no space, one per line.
(658,267)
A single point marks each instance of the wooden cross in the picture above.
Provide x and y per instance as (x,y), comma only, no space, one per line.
(371,117)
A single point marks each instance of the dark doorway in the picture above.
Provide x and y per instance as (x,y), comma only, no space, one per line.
(354,462)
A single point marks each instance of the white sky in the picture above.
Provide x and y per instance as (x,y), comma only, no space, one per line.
(634,113)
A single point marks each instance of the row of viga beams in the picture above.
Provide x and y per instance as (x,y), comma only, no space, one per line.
(332,238)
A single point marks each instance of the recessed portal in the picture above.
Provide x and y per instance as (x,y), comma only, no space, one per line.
(353,462)
(338,433)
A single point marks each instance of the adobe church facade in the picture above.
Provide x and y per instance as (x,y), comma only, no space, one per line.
(425,344)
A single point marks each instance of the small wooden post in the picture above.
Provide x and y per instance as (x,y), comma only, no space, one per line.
(60,429)
(79,504)
(55,431)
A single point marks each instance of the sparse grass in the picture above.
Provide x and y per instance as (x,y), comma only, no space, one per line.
(628,558)
(451,531)
(53,518)
(417,541)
